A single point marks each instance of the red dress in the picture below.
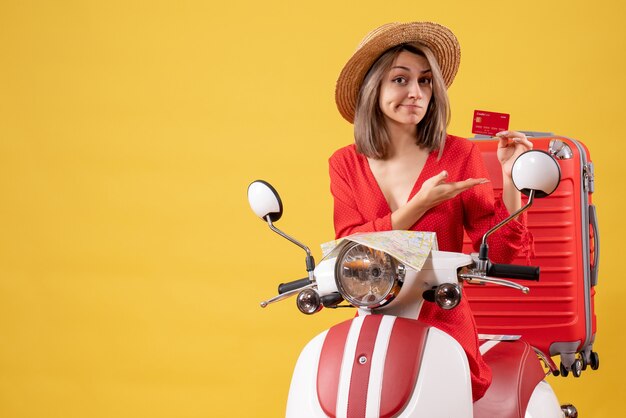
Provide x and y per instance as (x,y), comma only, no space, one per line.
(360,206)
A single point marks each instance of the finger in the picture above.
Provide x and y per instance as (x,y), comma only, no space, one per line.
(475,182)
(510,134)
(441,177)
(525,142)
(468,184)
(518,144)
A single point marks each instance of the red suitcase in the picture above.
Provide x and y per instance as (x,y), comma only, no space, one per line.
(557,315)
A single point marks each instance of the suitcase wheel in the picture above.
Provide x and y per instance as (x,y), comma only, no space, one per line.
(595,361)
(576,368)
(563,370)
(590,359)
(583,359)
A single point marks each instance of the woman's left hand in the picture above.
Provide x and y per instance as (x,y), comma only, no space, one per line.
(510,146)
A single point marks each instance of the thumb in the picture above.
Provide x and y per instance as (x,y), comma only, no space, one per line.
(437,178)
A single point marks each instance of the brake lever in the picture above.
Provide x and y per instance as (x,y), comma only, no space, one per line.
(286,295)
(478,279)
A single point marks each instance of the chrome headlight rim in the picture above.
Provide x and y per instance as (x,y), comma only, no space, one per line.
(387,296)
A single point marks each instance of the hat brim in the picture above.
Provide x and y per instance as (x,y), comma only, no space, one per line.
(439,39)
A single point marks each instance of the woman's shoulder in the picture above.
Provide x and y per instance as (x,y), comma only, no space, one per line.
(458,143)
(345,156)
(458,150)
(457,147)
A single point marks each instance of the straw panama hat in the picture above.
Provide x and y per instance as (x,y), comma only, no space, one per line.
(439,39)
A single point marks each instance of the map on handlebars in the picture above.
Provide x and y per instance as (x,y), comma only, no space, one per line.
(409,247)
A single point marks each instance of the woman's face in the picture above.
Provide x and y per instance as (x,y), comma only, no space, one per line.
(406,89)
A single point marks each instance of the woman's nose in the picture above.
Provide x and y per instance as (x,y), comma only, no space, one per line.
(415,92)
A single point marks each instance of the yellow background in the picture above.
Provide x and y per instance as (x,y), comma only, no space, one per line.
(130,264)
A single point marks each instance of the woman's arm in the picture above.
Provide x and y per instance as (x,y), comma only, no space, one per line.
(482,210)
(510,146)
(434,191)
(349,207)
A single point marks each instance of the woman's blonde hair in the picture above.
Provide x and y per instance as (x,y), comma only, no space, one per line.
(371,137)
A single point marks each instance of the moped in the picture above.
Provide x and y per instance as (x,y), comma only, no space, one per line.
(384,362)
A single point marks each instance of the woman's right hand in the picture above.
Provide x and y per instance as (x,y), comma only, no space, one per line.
(436,190)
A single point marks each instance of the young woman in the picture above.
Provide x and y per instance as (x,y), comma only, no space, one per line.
(405,172)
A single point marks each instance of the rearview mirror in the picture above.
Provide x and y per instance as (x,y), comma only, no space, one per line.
(264,200)
(536,170)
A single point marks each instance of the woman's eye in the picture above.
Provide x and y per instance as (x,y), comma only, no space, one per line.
(399,80)
(426,81)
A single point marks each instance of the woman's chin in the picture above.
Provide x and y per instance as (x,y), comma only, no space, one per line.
(410,120)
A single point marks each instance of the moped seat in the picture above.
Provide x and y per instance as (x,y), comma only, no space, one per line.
(516,372)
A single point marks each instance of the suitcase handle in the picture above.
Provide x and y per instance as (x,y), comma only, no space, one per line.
(513,271)
(593,221)
(530,134)
(537,134)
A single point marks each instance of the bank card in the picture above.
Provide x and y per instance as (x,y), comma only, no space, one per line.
(489,123)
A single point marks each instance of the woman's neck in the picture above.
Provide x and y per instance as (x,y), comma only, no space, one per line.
(403,139)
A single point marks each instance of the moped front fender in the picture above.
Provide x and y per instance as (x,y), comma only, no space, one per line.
(381,366)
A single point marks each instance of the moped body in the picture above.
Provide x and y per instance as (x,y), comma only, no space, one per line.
(387,364)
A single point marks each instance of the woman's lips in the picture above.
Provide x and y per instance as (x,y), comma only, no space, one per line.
(411,106)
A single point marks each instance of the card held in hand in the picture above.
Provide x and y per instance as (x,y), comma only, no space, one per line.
(489,123)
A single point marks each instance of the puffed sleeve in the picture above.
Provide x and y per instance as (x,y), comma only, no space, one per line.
(482,210)
(347,213)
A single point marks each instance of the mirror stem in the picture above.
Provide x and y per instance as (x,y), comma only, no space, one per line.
(310,261)
(482,255)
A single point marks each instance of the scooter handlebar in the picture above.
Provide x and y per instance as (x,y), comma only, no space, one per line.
(296,284)
(513,271)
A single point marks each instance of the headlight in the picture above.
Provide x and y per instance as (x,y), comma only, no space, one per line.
(366,277)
